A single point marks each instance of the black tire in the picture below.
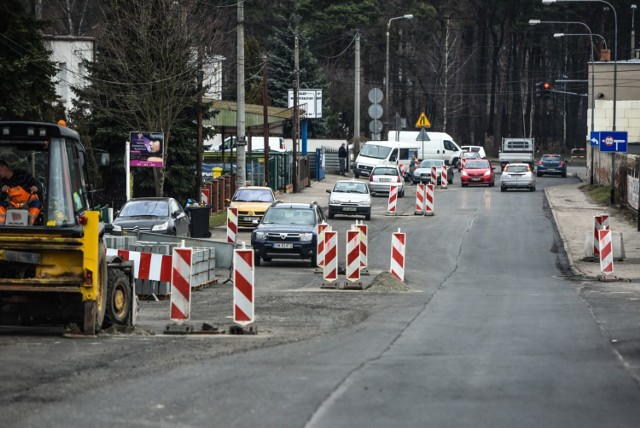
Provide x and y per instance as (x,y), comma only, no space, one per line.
(539,174)
(564,175)
(256,258)
(533,189)
(314,260)
(119,299)
(401,194)
(503,189)
(464,184)
(493,183)
(356,174)
(330,215)
(367,216)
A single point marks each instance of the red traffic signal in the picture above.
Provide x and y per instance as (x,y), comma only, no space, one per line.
(546,86)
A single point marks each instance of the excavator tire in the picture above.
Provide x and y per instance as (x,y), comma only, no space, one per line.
(119,298)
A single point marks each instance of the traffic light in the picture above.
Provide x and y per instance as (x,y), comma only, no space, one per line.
(546,89)
(539,89)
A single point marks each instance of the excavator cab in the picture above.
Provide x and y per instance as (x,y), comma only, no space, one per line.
(56,270)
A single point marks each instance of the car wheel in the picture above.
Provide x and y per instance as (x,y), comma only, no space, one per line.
(256,259)
(539,174)
(533,189)
(493,183)
(401,194)
(464,184)
(356,174)
(503,189)
(367,216)
(564,175)
(331,215)
(314,260)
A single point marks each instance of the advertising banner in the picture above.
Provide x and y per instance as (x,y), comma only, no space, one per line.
(146,149)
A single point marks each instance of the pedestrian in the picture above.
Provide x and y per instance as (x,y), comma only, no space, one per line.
(413,164)
(342,157)
(19,190)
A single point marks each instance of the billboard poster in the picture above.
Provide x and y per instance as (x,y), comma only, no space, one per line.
(146,149)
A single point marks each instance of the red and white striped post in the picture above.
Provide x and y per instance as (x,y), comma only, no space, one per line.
(430,199)
(330,268)
(363,229)
(434,175)
(600,222)
(243,286)
(606,251)
(393,199)
(420,195)
(398,247)
(444,181)
(352,257)
(180,301)
(320,244)
(232,224)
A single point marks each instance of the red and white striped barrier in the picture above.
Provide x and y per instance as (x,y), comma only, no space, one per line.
(181,284)
(232,224)
(434,175)
(430,199)
(330,268)
(606,251)
(398,247)
(444,181)
(243,286)
(154,267)
(600,222)
(320,244)
(363,229)
(353,256)
(393,199)
(420,195)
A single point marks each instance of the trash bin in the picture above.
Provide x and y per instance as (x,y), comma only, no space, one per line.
(199,221)
(217,171)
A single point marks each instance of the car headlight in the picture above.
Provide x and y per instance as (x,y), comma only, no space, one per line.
(160,227)
(306,237)
(117,228)
(364,203)
(464,173)
(260,236)
(487,173)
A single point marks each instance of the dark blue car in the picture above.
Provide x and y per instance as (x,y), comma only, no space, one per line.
(551,164)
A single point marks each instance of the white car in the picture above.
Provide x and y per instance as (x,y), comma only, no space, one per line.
(517,176)
(477,149)
(423,172)
(383,177)
(350,197)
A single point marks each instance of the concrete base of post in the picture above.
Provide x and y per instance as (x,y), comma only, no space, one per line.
(616,242)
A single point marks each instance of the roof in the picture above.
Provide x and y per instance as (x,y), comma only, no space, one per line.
(254,116)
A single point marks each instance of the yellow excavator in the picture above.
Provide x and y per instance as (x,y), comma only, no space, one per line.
(54,269)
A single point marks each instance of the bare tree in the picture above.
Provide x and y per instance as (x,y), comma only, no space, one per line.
(147,65)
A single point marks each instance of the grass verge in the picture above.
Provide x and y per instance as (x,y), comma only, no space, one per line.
(600,194)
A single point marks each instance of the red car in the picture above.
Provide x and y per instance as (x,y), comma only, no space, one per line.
(477,171)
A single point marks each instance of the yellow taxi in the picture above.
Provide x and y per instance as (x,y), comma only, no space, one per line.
(252,202)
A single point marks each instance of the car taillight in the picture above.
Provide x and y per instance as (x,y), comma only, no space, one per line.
(371,177)
(562,163)
(540,162)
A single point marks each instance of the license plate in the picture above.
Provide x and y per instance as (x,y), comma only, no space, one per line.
(350,209)
(249,218)
(385,180)
(282,245)
(475,179)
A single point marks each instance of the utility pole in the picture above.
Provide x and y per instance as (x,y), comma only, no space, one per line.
(241,159)
(265,116)
(356,92)
(199,147)
(296,116)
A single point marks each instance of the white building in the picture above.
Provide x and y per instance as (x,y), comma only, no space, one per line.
(69,54)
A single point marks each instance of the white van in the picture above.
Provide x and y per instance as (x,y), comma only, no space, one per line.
(440,145)
(374,153)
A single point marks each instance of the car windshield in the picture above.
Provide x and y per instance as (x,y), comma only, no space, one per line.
(289,216)
(385,171)
(253,195)
(375,151)
(470,155)
(517,168)
(428,163)
(154,208)
(350,187)
(551,157)
(477,164)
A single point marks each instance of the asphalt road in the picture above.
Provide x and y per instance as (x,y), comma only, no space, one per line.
(489,334)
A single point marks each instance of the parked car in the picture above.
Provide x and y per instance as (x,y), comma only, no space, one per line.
(350,197)
(477,171)
(517,176)
(478,149)
(422,174)
(552,164)
(467,155)
(287,230)
(156,215)
(252,202)
(382,177)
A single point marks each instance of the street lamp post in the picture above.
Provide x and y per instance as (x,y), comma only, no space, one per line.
(615,78)
(386,66)
(593,82)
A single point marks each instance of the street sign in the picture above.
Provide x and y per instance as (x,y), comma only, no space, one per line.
(310,100)
(375,126)
(594,138)
(375,111)
(375,96)
(422,136)
(613,141)
(423,122)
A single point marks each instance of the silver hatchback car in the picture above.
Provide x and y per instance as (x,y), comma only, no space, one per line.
(517,176)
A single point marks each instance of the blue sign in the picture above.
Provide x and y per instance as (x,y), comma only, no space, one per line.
(610,141)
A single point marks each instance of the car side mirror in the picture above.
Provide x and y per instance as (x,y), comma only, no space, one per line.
(373,193)
(328,190)
(255,222)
